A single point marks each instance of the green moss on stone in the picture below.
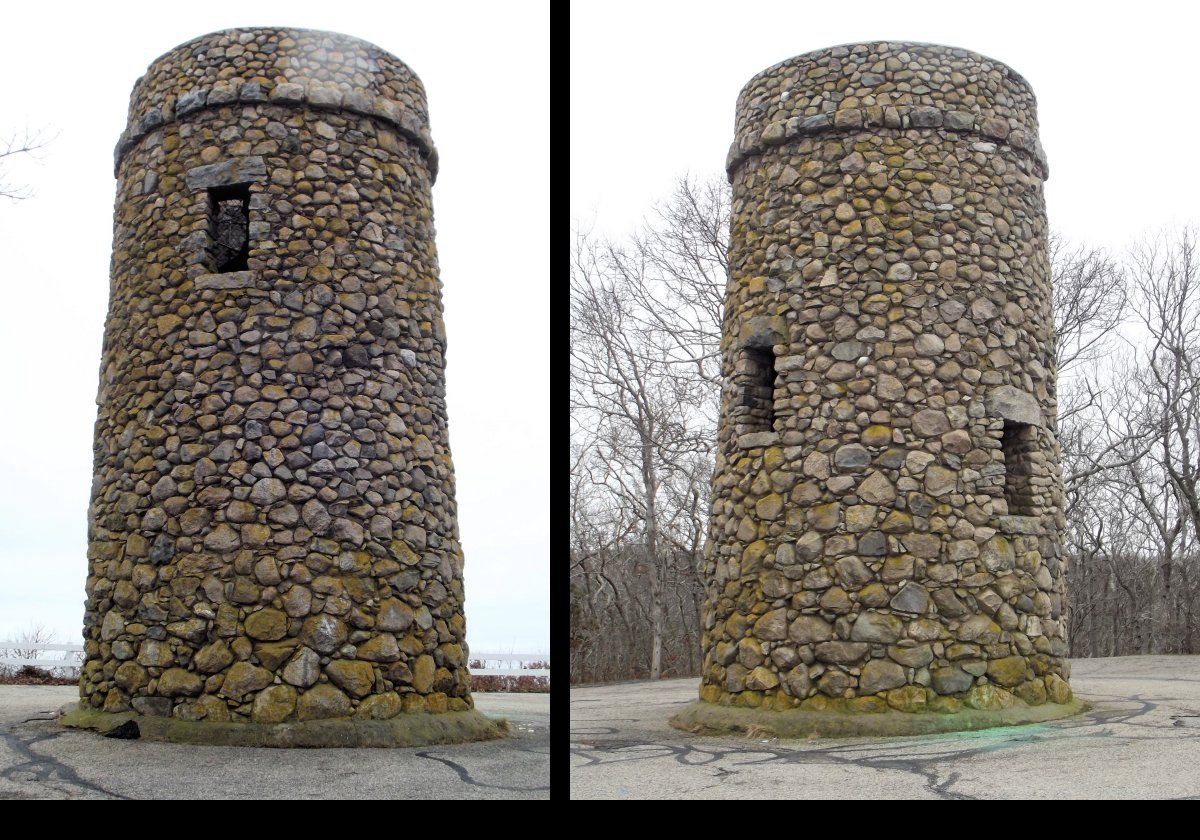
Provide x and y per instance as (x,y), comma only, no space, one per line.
(406,730)
(830,722)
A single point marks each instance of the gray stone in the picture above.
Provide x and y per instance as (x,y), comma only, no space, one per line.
(267,491)
(227,280)
(930,423)
(303,669)
(880,675)
(1010,403)
(193,100)
(807,629)
(951,680)
(772,627)
(912,598)
(841,652)
(876,627)
(324,633)
(852,457)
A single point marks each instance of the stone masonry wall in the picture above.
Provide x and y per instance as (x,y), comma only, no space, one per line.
(272,526)
(889,253)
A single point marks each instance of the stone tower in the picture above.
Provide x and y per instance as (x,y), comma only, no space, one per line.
(887,501)
(273,547)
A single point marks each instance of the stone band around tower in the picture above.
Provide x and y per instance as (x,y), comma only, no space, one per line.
(855,88)
(885,534)
(294,67)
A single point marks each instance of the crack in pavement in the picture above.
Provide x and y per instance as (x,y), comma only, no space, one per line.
(39,767)
(1121,718)
(465,775)
(39,759)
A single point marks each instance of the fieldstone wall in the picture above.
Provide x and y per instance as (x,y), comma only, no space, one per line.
(888,535)
(272,525)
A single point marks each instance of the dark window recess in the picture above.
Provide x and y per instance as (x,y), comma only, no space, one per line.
(1018,443)
(229,209)
(758,390)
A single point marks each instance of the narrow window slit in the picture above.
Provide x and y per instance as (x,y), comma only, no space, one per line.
(229,216)
(758,390)
(1018,443)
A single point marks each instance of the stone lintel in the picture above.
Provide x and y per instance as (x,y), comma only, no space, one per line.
(1010,403)
(756,439)
(1029,525)
(227,280)
(763,331)
(239,170)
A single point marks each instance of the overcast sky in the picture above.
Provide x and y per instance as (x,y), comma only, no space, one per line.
(68,70)
(653,87)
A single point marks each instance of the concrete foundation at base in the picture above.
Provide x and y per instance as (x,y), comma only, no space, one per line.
(713,719)
(406,730)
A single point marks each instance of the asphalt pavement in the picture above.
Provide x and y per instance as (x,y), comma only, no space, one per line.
(1140,740)
(41,760)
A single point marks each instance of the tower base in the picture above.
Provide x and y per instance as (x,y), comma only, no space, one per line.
(714,719)
(416,729)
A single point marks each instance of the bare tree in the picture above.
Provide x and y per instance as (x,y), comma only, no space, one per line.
(646,326)
(645,367)
(1167,277)
(682,266)
(26,646)
(1133,510)
(25,143)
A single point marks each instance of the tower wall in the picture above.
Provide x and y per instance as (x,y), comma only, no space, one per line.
(272,528)
(887,500)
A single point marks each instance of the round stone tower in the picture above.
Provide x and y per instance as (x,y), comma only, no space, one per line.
(887,501)
(273,547)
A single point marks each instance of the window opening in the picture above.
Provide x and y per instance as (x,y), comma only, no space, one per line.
(758,389)
(230,227)
(1018,443)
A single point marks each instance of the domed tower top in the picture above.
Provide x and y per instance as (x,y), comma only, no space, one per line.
(888,84)
(283,66)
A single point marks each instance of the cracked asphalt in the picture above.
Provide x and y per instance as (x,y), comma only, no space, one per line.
(1141,740)
(41,760)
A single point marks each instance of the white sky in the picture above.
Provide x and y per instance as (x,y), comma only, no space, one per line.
(69,68)
(653,87)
